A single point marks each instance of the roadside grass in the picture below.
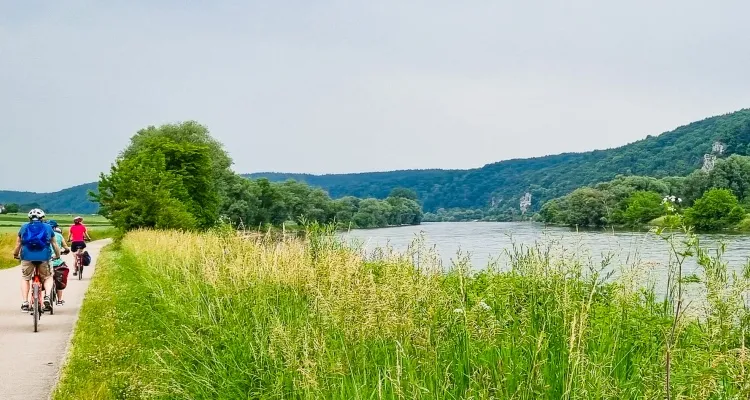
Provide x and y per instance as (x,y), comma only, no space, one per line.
(8,242)
(213,316)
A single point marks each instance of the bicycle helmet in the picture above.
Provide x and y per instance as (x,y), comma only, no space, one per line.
(36,214)
(52,223)
(78,219)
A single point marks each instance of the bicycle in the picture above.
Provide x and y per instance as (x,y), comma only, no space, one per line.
(79,265)
(36,306)
(53,295)
(79,262)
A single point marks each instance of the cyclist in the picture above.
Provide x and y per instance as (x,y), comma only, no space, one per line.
(60,268)
(77,238)
(33,248)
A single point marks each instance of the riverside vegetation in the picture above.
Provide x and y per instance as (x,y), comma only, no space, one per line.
(202,312)
(712,201)
(216,316)
(177,176)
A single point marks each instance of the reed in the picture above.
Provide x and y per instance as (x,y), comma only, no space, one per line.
(215,316)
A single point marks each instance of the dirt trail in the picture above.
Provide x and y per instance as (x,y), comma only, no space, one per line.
(30,362)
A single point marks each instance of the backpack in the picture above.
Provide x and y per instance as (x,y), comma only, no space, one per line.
(35,237)
(86,258)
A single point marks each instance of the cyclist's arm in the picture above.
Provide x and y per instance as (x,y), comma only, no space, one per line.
(17,249)
(70,235)
(65,245)
(55,246)
(86,234)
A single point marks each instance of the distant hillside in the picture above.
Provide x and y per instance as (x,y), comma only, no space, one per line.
(71,200)
(501,184)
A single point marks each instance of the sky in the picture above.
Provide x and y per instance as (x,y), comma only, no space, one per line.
(353,86)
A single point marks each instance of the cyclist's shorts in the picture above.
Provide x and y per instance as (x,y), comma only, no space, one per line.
(75,246)
(27,269)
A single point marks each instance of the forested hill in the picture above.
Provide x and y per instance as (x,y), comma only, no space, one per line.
(678,152)
(502,184)
(70,200)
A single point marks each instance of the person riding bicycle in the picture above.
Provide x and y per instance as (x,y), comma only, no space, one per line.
(33,248)
(77,237)
(60,269)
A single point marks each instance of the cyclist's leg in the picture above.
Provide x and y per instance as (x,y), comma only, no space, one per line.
(27,271)
(45,273)
(64,280)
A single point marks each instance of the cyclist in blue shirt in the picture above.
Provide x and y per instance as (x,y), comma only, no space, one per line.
(33,248)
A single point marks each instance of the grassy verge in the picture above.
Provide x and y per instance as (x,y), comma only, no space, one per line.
(177,315)
(8,242)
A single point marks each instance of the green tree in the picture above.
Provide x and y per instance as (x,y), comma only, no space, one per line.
(373,213)
(12,208)
(273,210)
(587,207)
(717,209)
(642,207)
(241,202)
(344,209)
(179,170)
(732,173)
(403,193)
(139,192)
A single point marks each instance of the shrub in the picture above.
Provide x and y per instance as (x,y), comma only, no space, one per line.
(716,209)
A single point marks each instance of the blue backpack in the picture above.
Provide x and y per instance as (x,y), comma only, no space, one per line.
(35,237)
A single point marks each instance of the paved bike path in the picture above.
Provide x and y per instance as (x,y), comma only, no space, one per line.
(30,362)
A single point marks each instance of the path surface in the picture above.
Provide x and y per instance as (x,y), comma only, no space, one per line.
(30,362)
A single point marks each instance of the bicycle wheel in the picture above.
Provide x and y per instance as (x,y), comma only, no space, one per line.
(79,266)
(53,298)
(35,307)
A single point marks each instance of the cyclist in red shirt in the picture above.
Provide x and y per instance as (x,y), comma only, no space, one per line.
(77,238)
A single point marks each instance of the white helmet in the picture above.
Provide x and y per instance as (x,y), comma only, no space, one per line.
(36,213)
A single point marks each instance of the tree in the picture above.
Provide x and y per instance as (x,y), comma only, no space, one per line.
(12,208)
(642,207)
(164,180)
(732,173)
(587,207)
(241,202)
(403,193)
(717,209)
(139,192)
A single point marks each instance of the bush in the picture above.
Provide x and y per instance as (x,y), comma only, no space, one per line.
(642,207)
(717,209)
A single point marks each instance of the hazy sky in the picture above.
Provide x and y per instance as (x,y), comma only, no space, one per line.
(349,86)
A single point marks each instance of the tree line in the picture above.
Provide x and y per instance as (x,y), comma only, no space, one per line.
(496,188)
(13,208)
(712,200)
(177,176)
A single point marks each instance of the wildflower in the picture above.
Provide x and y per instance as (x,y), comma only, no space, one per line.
(459,311)
(484,306)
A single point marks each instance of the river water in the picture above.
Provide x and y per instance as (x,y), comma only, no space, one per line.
(486,243)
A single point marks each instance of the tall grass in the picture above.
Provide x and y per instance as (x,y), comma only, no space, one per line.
(7,243)
(213,316)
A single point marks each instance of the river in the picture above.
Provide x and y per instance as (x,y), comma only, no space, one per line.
(486,242)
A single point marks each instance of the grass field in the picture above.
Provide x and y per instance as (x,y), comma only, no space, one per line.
(205,316)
